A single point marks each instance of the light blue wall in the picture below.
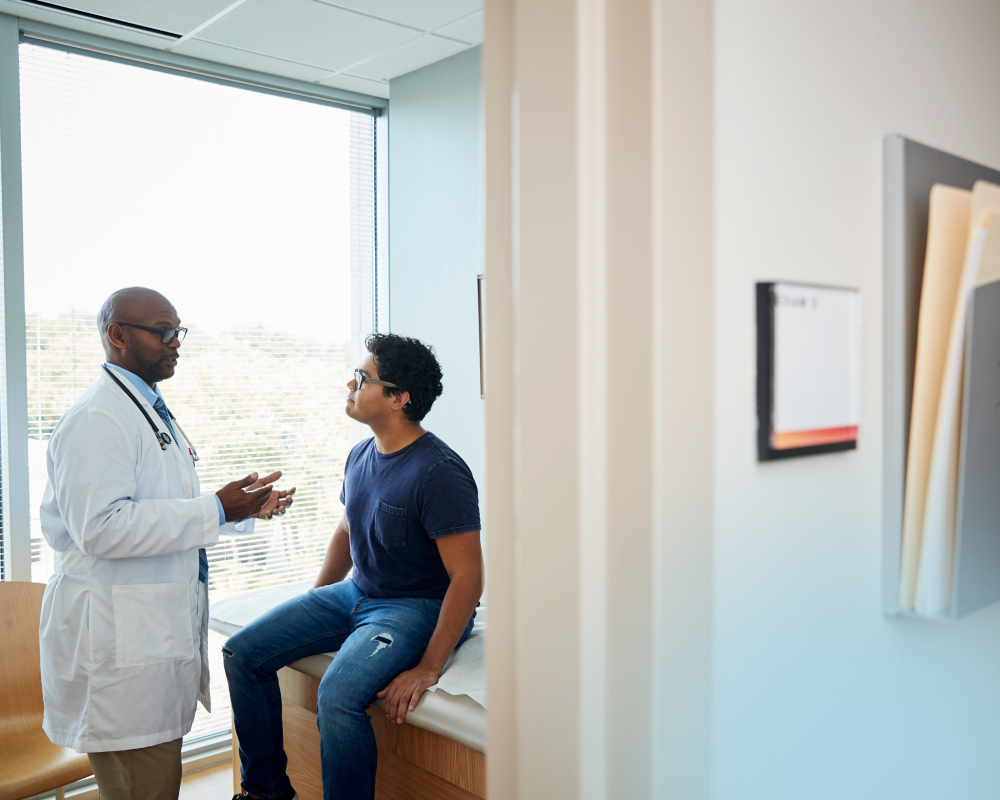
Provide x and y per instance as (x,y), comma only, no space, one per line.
(817,695)
(435,235)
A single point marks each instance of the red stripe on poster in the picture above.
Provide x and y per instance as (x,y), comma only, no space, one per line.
(789,439)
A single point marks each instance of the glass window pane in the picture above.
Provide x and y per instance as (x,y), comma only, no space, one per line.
(253,214)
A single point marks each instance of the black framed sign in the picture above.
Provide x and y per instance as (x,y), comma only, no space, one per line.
(480,280)
(808,369)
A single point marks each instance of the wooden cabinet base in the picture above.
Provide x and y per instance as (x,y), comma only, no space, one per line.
(302,749)
(400,780)
(413,764)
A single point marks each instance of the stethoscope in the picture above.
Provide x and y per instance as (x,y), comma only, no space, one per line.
(162,437)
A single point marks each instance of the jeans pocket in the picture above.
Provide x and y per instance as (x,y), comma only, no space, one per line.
(390,525)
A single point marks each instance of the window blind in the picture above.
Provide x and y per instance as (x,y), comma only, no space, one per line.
(362,246)
(250,212)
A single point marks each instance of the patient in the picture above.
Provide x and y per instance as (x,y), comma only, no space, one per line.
(410,531)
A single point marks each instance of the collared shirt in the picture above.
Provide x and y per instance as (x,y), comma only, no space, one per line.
(151,395)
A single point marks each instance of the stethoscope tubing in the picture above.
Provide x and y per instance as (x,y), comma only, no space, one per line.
(191,448)
(162,437)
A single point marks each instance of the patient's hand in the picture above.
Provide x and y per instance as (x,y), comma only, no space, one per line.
(403,693)
(279,501)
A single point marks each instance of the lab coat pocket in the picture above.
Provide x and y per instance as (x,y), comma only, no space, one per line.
(152,623)
(390,525)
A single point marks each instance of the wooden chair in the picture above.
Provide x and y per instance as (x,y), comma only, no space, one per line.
(31,763)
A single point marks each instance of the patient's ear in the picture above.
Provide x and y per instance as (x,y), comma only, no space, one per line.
(399,401)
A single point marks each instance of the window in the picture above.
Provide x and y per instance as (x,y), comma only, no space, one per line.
(254,214)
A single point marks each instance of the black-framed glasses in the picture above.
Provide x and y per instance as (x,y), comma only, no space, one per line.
(167,335)
(360,378)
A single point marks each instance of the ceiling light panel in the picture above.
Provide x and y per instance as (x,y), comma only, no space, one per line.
(422,14)
(414,55)
(469,30)
(306,32)
(176,16)
(222,54)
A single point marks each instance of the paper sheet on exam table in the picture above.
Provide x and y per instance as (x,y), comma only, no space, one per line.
(465,671)
(937,548)
(947,234)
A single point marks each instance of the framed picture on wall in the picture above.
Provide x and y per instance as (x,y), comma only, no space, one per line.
(808,369)
(480,282)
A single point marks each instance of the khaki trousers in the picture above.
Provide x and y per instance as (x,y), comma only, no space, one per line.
(148,773)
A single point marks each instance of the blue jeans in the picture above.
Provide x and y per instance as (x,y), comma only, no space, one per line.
(376,639)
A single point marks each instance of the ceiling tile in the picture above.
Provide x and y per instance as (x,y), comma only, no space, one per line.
(468,30)
(352,83)
(222,54)
(306,32)
(177,16)
(407,58)
(425,14)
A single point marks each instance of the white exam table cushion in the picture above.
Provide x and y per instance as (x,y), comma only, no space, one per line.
(453,708)
(229,615)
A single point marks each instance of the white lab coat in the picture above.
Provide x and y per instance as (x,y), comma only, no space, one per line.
(124,618)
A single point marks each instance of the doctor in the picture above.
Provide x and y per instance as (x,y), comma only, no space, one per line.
(125,616)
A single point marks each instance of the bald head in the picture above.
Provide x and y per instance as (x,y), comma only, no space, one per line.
(121,321)
(128,305)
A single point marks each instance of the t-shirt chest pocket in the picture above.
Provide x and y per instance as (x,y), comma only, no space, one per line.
(390,525)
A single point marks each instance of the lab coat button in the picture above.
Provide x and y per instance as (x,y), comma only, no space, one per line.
(187,488)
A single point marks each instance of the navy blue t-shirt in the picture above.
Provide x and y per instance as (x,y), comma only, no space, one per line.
(397,505)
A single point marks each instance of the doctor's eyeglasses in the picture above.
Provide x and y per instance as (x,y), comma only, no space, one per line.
(360,378)
(166,334)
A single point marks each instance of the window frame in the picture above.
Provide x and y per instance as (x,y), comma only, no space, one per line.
(14,499)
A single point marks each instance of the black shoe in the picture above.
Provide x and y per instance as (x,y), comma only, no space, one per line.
(289,795)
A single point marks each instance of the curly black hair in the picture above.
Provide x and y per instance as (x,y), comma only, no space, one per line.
(411,365)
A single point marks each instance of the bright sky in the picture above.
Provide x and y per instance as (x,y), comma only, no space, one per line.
(233,203)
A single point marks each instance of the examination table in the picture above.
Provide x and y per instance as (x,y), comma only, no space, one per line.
(437,754)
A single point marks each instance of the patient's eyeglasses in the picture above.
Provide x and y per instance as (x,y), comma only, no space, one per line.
(360,378)
(166,334)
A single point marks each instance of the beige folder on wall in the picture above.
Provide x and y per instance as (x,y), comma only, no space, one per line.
(947,234)
(932,596)
(989,262)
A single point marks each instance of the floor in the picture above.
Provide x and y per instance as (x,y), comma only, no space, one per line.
(214,783)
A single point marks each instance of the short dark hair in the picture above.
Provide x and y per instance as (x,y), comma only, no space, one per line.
(411,365)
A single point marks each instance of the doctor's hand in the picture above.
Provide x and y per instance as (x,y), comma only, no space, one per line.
(277,504)
(279,501)
(239,501)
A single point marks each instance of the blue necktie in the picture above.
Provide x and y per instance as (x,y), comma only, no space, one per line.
(161,408)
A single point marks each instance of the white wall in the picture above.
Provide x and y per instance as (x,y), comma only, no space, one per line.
(816,694)
(435,248)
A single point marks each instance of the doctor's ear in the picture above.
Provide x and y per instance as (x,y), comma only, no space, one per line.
(115,334)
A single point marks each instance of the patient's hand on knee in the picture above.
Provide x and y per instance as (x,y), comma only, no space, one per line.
(405,690)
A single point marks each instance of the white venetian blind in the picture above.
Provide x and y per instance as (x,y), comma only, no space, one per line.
(253,214)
